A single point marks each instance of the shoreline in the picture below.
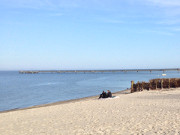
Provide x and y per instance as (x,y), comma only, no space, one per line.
(145,112)
(127,91)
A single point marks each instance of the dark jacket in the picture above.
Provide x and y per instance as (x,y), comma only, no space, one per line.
(109,94)
(104,95)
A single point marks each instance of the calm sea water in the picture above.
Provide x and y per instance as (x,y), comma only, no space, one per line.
(24,90)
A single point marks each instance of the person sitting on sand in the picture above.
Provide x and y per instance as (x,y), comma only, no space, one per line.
(109,94)
(103,95)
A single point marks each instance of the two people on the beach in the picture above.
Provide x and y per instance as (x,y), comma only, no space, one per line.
(106,95)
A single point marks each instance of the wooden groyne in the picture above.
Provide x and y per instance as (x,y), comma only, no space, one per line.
(95,71)
(155,84)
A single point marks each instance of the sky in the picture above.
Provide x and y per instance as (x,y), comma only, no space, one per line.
(89,34)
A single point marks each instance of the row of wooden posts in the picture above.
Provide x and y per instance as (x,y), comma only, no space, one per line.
(155,84)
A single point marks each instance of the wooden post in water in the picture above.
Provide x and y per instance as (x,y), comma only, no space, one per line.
(161,83)
(132,86)
(142,86)
(156,81)
(150,85)
(175,83)
(138,86)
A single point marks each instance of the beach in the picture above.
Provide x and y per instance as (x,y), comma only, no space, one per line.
(146,112)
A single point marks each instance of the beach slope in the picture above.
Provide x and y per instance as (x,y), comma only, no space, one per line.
(147,112)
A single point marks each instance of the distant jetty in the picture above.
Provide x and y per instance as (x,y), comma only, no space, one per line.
(94,71)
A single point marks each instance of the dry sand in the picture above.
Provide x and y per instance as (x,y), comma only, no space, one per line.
(147,112)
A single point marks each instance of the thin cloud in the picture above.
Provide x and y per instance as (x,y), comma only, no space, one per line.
(157,32)
(22,4)
(169,22)
(38,4)
(166,3)
(168,9)
(174,29)
(161,32)
(85,3)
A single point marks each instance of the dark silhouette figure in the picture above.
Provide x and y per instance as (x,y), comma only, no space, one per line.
(109,94)
(103,95)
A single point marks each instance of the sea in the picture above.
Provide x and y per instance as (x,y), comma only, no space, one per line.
(25,90)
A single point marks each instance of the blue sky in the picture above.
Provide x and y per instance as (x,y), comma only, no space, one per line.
(89,34)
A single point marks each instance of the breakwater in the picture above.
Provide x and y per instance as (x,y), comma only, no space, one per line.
(155,84)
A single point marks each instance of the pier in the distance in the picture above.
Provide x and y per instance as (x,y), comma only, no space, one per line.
(94,71)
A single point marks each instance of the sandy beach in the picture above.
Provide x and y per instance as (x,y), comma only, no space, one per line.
(147,112)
